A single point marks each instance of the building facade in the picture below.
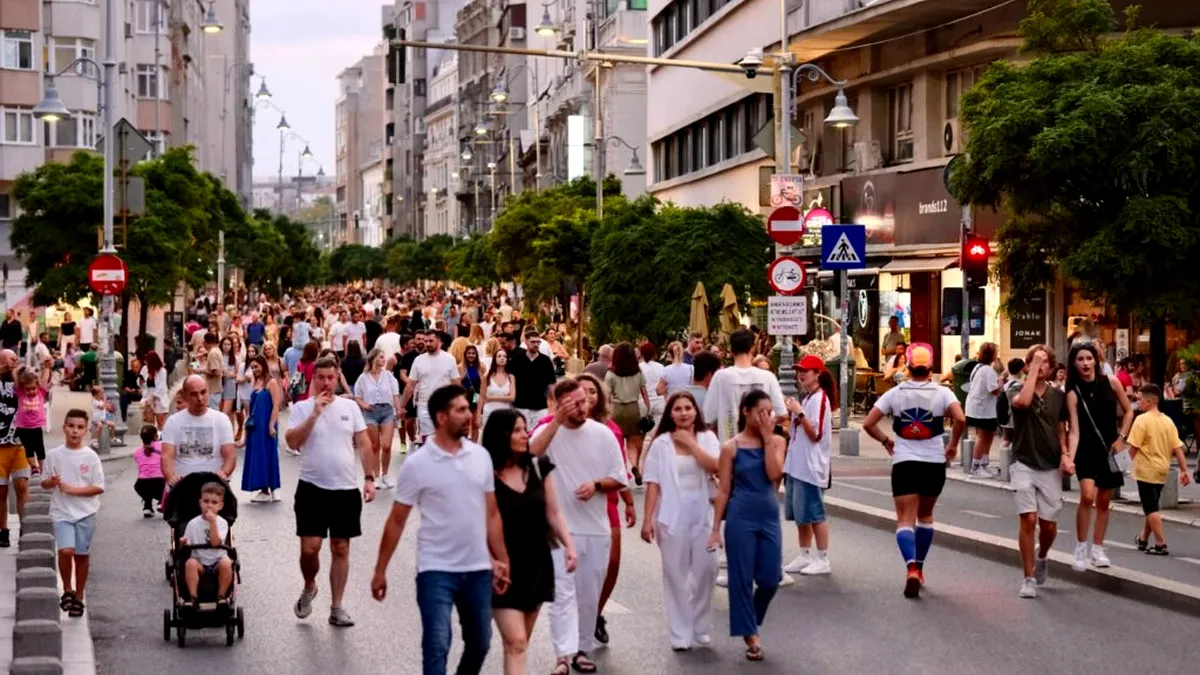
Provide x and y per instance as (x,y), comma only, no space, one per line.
(358,138)
(441,154)
(230,109)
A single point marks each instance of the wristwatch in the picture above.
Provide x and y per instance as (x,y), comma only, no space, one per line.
(369,478)
(596,484)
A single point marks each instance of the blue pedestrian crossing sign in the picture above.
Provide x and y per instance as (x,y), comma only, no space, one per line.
(843,247)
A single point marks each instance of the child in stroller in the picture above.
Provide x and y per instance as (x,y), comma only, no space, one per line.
(205,536)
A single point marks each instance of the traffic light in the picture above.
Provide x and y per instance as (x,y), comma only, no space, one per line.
(974,261)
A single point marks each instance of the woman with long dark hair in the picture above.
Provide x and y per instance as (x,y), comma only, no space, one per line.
(1100,418)
(499,389)
(353,364)
(154,389)
(529,506)
(806,469)
(304,368)
(751,464)
(627,385)
(471,373)
(983,389)
(261,466)
(679,465)
(229,379)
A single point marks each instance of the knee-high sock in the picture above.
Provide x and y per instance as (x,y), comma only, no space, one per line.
(924,540)
(906,539)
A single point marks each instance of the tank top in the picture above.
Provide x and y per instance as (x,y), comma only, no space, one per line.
(1102,404)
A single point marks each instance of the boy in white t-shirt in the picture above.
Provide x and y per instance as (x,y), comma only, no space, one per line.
(74,472)
(208,529)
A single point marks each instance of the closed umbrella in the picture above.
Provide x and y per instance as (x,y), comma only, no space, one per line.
(731,318)
(699,319)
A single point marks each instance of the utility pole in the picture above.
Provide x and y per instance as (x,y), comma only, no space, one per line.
(108,364)
(787,376)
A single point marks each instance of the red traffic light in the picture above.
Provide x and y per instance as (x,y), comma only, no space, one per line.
(978,248)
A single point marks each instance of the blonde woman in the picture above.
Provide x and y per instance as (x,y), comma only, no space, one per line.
(457,348)
(476,336)
(378,394)
(275,367)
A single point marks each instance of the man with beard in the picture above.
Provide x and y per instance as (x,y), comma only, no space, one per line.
(430,371)
(14,466)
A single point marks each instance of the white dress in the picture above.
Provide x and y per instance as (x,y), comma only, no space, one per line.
(496,391)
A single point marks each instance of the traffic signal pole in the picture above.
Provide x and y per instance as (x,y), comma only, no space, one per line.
(965,324)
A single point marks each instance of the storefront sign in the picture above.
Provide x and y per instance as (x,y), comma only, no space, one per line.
(952,311)
(787,315)
(1027,321)
(871,200)
(787,189)
(910,209)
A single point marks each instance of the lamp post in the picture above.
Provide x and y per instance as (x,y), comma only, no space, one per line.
(500,96)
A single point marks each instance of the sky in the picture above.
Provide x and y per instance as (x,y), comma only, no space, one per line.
(300,46)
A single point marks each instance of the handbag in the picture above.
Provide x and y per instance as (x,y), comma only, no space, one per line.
(1119,461)
(249,424)
(646,424)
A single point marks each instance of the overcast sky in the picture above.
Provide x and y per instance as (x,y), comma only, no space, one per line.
(300,46)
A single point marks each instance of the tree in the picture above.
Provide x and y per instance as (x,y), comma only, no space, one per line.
(1091,146)
(410,261)
(356,262)
(472,262)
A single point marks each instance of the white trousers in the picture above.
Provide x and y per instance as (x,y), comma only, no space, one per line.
(577,594)
(689,575)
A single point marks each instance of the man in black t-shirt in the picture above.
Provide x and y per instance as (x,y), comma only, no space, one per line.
(534,375)
(410,349)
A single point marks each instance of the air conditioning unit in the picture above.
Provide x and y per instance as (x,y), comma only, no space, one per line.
(516,34)
(128,30)
(952,139)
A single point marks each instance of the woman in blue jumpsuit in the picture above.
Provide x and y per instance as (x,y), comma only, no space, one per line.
(751,464)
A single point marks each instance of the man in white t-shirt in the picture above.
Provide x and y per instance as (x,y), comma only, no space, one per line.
(729,385)
(197,439)
(588,466)
(331,435)
(430,371)
(337,335)
(461,557)
(388,342)
(356,331)
(87,329)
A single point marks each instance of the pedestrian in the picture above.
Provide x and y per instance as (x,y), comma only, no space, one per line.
(750,466)
(330,433)
(589,463)
(807,466)
(1152,441)
(1099,419)
(653,370)
(627,384)
(214,369)
(918,407)
(378,394)
(353,364)
(76,477)
(461,555)
(1040,458)
(34,389)
(678,375)
(430,371)
(535,376)
(410,348)
(261,471)
(983,387)
(155,393)
(470,369)
(209,529)
(678,514)
(524,496)
(197,439)
(499,389)
(150,484)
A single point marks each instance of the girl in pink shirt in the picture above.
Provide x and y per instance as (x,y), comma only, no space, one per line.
(150,483)
(31,415)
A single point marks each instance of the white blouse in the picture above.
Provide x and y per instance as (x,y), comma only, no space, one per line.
(675,485)
(377,391)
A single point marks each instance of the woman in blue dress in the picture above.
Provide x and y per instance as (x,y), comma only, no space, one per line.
(750,467)
(261,466)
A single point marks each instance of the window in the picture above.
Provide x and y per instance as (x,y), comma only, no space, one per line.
(63,51)
(156,138)
(722,135)
(16,125)
(17,52)
(149,16)
(953,91)
(148,82)
(900,109)
(5,206)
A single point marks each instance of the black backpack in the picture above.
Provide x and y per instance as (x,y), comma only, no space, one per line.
(1003,407)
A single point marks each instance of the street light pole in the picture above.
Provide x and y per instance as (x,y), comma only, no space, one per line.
(108,364)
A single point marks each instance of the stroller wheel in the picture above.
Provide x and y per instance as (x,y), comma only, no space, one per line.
(167,625)
(181,635)
(230,632)
(241,623)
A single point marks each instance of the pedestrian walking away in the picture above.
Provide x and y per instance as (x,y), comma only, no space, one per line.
(807,466)
(14,464)
(461,555)
(918,407)
(1153,441)
(983,390)
(331,436)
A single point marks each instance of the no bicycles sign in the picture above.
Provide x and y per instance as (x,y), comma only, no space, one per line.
(786,275)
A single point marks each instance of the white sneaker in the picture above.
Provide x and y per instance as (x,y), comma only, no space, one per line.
(274,496)
(1099,557)
(787,580)
(723,580)
(819,565)
(982,472)
(1028,588)
(262,497)
(722,561)
(293,453)
(799,563)
(388,483)
(702,640)
(1081,557)
(1041,570)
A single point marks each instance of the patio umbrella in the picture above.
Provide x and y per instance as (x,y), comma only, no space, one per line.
(731,318)
(699,318)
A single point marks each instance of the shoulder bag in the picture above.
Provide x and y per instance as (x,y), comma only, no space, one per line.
(1119,461)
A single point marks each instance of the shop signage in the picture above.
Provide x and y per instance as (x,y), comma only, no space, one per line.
(871,200)
(1027,321)
(910,209)
(787,315)
(952,311)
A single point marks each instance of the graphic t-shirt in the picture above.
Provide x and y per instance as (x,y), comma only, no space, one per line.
(918,411)
(8,411)
(725,394)
(197,440)
(80,467)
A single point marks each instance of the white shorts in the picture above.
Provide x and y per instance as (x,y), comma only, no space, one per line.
(424,422)
(1037,491)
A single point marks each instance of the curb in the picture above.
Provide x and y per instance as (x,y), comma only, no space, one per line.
(1138,586)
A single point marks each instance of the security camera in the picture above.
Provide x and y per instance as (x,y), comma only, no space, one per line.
(751,62)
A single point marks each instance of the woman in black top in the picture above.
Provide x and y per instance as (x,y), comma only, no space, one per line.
(354,363)
(1100,417)
(534,525)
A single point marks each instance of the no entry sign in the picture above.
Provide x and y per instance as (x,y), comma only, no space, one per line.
(785,225)
(107,274)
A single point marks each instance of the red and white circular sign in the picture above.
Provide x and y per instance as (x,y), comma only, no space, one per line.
(786,275)
(107,274)
(785,225)
(815,219)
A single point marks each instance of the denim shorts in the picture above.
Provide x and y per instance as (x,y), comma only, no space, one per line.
(75,535)
(380,414)
(803,502)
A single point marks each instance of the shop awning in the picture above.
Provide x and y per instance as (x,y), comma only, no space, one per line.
(909,265)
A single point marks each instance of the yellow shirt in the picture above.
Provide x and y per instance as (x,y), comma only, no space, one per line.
(1155,437)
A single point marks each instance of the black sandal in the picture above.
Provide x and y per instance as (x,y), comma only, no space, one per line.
(1158,549)
(76,609)
(582,664)
(754,653)
(1141,543)
(66,601)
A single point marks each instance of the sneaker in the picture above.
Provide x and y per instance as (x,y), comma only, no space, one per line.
(388,483)
(1028,588)
(798,563)
(147,513)
(5,540)
(1041,570)
(819,565)
(786,580)
(982,472)
(293,453)
(274,496)
(912,584)
(378,484)
(304,605)
(261,498)
(1099,557)
(722,578)
(1081,557)
(722,561)
(340,618)
(703,640)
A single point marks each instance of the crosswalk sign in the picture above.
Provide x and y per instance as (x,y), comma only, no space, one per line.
(843,247)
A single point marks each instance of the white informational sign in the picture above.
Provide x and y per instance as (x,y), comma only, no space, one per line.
(1122,343)
(787,315)
(787,189)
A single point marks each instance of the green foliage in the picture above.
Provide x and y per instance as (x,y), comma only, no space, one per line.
(1066,25)
(472,262)
(355,262)
(409,261)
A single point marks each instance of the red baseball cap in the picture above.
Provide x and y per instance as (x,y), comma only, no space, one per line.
(810,362)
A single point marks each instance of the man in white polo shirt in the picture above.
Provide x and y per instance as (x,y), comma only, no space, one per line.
(430,371)
(461,557)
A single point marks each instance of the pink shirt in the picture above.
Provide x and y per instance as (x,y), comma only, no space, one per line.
(149,466)
(31,410)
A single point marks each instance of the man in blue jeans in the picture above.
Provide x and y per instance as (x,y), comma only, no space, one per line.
(461,558)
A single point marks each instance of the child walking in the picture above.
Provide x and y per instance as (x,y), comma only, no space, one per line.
(31,414)
(74,473)
(208,529)
(1152,440)
(150,482)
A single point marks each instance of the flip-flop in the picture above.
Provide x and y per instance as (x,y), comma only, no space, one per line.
(582,664)
(754,653)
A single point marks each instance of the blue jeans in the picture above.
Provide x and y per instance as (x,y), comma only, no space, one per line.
(471,594)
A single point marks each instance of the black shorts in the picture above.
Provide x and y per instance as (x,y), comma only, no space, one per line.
(918,478)
(410,410)
(982,424)
(1092,464)
(336,514)
(1150,494)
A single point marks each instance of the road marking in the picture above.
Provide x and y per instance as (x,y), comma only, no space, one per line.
(1190,560)
(866,489)
(981,514)
(1121,544)
(613,607)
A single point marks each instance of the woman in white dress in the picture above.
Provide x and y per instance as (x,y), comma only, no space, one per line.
(154,390)
(653,371)
(499,388)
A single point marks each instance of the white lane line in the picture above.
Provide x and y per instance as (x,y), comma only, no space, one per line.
(1189,560)
(866,489)
(981,514)
(1121,544)
(613,607)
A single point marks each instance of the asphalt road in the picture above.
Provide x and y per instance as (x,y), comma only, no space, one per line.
(855,621)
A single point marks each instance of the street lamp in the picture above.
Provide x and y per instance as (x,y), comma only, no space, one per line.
(842,116)
(635,167)
(211,24)
(283,123)
(480,129)
(306,153)
(467,155)
(546,27)
(263,94)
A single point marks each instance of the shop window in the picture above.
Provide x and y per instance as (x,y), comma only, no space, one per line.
(900,113)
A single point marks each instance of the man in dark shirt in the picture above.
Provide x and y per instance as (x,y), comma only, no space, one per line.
(410,349)
(255,330)
(534,374)
(374,330)
(10,332)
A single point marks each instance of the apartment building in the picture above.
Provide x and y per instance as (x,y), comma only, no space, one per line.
(441,164)
(229,111)
(358,138)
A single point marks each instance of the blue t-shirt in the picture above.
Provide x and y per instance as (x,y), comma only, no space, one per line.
(300,333)
(255,332)
(291,358)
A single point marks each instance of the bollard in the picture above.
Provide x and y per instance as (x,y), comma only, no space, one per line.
(38,637)
(848,441)
(38,557)
(38,603)
(966,452)
(36,540)
(36,665)
(1005,463)
(37,524)
(1170,493)
(37,577)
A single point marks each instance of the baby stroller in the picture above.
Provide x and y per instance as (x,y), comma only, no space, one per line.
(206,610)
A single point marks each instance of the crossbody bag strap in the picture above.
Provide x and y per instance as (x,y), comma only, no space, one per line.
(1079,395)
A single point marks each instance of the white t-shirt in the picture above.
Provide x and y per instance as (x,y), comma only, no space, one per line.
(725,394)
(808,460)
(583,455)
(678,377)
(653,372)
(197,440)
(87,330)
(914,404)
(432,372)
(77,468)
(981,402)
(450,492)
(356,332)
(197,534)
(337,336)
(328,458)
